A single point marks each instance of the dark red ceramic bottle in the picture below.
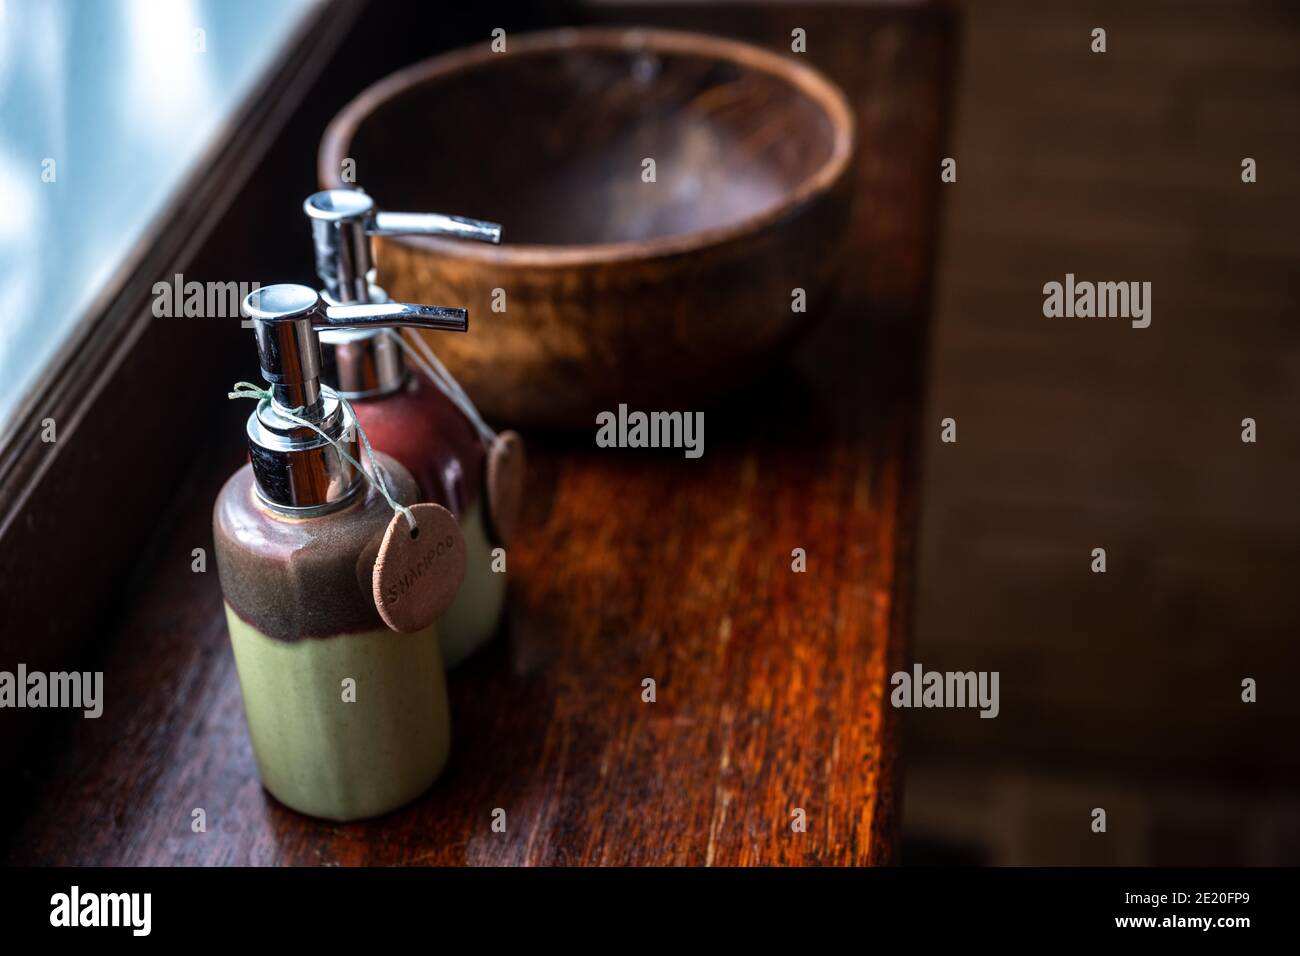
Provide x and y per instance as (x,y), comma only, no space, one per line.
(412,421)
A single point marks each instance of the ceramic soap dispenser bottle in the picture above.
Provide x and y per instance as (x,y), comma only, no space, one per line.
(348,718)
(404,414)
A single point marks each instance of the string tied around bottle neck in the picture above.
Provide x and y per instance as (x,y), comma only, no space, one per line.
(379,476)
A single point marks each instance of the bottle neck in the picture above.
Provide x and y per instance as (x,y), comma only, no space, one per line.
(298,471)
(361,365)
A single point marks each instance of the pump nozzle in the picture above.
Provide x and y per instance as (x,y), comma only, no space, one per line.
(433,224)
(287,317)
(343,220)
(365,364)
(296,468)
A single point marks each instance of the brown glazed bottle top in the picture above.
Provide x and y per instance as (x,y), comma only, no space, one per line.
(296,578)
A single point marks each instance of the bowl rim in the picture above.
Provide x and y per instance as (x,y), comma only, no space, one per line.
(814,84)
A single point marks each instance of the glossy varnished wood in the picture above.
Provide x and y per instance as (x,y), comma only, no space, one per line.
(628,565)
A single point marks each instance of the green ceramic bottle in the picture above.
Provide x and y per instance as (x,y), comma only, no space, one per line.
(348,719)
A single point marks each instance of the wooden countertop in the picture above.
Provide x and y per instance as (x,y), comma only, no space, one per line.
(771,685)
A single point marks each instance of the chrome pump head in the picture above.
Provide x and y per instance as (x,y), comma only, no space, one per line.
(298,471)
(365,363)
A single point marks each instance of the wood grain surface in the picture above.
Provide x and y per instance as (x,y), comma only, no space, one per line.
(628,564)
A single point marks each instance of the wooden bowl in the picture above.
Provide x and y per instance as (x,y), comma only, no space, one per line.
(661,294)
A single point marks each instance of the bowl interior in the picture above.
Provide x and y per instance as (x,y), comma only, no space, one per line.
(551,142)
